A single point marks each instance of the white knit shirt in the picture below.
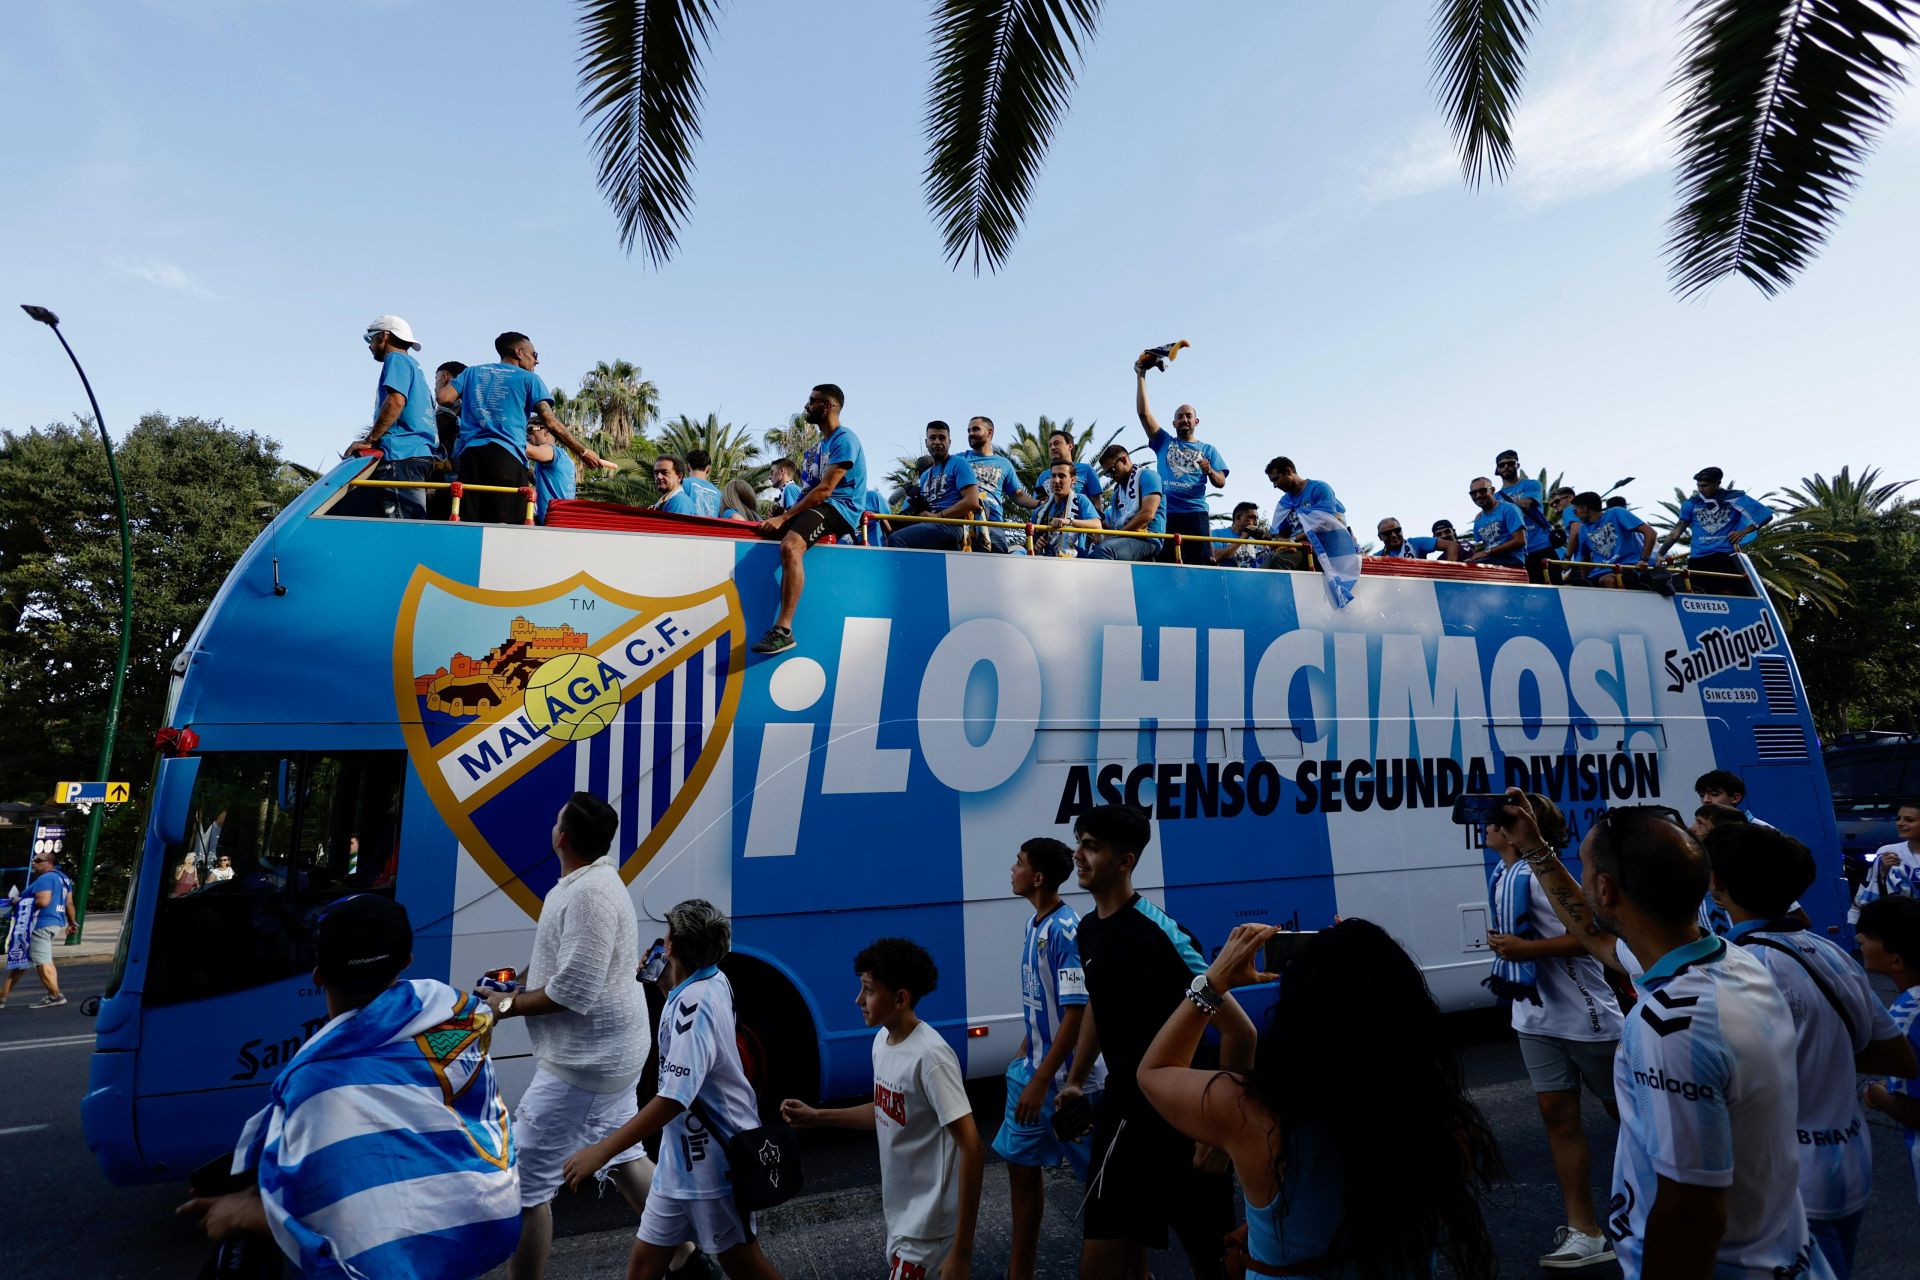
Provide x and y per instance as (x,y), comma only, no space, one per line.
(584,956)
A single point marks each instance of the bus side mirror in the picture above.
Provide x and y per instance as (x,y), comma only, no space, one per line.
(173,798)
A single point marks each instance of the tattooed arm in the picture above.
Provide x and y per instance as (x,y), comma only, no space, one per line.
(1562,890)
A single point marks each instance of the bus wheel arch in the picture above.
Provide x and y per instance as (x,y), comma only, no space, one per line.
(776,1031)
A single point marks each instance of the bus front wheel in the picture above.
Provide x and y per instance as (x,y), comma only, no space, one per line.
(775,1033)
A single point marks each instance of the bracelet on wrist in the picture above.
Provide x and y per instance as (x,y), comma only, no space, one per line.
(1206,1007)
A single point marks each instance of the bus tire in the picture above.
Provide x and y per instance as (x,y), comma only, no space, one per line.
(778,1045)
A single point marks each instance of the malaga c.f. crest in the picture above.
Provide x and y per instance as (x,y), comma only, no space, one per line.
(510,701)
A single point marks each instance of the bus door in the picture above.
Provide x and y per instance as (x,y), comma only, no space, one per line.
(227,994)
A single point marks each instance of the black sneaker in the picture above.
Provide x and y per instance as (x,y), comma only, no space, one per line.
(777,640)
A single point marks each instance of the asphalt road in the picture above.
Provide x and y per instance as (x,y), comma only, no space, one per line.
(65,1219)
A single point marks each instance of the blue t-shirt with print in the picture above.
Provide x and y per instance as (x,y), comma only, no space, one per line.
(54,914)
(552,481)
(1076,506)
(680,503)
(1611,538)
(943,481)
(705,495)
(495,402)
(1539,535)
(1181,470)
(998,481)
(790,494)
(842,448)
(1314,495)
(415,433)
(1128,494)
(1491,528)
(1714,519)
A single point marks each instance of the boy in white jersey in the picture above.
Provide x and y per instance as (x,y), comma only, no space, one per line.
(1053,998)
(703,1099)
(930,1153)
(1705,1076)
(1840,1026)
(1568,1023)
(1895,868)
(1889,933)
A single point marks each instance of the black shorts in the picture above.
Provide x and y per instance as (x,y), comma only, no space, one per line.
(1141,1180)
(816,523)
(493,464)
(1190,524)
(1537,566)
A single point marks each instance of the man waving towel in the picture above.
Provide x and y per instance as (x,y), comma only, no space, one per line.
(385,1148)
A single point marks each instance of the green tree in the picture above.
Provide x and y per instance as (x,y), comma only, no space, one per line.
(734,453)
(197,494)
(792,439)
(906,471)
(619,401)
(1780,102)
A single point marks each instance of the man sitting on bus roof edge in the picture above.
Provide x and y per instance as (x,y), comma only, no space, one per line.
(403,423)
(496,401)
(669,477)
(835,475)
(1605,537)
(1135,507)
(948,488)
(1187,466)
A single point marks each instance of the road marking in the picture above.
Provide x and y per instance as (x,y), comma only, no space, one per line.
(24,1128)
(56,1042)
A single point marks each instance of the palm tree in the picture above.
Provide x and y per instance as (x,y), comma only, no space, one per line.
(906,471)
(1844,500)
(1780,102)
(733,451)
(792,440)
(620,400)
(1028,449)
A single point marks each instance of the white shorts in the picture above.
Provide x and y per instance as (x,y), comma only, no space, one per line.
(915,1259)
(556,1119)
(713,1225)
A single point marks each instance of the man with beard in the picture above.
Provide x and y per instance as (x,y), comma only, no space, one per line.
(833,482)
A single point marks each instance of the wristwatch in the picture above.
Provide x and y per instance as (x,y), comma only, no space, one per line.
(504,1009)
(1204,998)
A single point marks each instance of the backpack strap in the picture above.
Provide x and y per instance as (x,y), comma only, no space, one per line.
(1846,1019)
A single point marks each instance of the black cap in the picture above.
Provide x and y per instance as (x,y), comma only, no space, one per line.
(1438,525)
(362,942)
(1503,455)
(1709,474)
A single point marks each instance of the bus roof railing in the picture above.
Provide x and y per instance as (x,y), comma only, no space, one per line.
(456,488)
(1678,568)
(1177,539)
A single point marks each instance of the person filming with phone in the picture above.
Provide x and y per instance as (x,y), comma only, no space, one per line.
(1356,1145)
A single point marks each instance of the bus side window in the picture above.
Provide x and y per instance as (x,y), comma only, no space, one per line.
(296,831)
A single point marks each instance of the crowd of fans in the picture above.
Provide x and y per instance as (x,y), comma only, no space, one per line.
(1676,980)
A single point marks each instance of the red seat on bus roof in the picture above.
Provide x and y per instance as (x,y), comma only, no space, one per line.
(584,513)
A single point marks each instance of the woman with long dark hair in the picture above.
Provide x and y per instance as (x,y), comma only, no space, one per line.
(1356,1145)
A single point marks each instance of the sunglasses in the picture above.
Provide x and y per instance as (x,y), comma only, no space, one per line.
(369,336)
(1478,493)
(1385,532)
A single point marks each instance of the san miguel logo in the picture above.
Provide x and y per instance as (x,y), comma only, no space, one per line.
(1720,649)
(511,701)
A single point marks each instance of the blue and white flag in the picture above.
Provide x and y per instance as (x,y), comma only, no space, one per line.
(1510,897)
(386,1148)
(20,930)
(1752,508)
(1334,547)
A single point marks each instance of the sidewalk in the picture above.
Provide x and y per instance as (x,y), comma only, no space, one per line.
(101,934)
(840,1235)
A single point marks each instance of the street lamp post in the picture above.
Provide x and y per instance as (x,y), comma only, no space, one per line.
(94,815)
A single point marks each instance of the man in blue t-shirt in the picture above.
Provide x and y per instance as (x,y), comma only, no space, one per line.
(553,473)
(833,476)
(1242,555)
(998,480)
(699,484)
(1086,476)
(46,900)
(496,402)
(783,472)
(1611,537)
(1720,521)
(1064,509)
(1499,531)
(670,478)
(1297,494)
(948,489)
(1187,466)
(1529,496)
(403,419)
(1396,545)
(1134,507)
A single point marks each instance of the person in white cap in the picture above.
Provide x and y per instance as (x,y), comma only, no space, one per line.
(403,427)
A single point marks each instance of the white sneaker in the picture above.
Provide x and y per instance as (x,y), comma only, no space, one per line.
(1575,1249)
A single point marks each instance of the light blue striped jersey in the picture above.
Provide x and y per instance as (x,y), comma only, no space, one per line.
(385,1148)
(1706,1084)
(1903,877)
(1906,1020)
(1051,982)
(1835,1146)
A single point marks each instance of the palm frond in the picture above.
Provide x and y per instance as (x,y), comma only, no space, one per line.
(1003,71)
(1782,100)
(1479,52)
(640,92)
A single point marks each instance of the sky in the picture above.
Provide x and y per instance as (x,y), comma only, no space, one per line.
(218,195)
